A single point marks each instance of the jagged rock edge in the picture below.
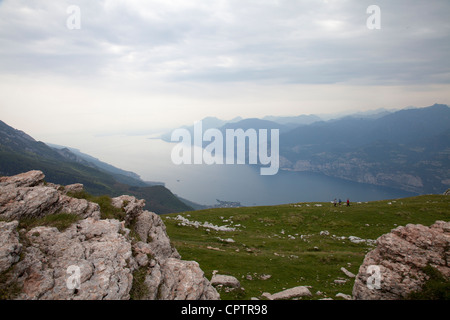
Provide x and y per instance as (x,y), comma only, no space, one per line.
(162,253)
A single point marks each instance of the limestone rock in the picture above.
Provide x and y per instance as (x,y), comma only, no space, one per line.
(80,207)
(347,273)
(151,229)
(10,246)
(344,296)
(180,280)
(265,276)
(400,257)
(131,205)
(94,247)
(266,295)
(74,188)
(27,179)
(26,196)
(27,202)
(340,281)
(226,281)
(296,292)
(93,258)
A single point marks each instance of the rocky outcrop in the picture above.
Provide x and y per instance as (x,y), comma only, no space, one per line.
(167,277)
(92,258)
(27,196)
(26,179)
(96,248)
(395,268)
(152,231)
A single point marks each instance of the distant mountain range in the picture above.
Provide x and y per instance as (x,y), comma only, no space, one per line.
(406,149)
(19,153)
(284,123)
(292,122)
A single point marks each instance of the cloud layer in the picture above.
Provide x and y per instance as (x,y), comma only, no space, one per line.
(308,42)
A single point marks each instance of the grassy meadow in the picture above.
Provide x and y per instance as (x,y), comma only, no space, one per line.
(296,244)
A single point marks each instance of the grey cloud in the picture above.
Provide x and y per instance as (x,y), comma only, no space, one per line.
(232,41)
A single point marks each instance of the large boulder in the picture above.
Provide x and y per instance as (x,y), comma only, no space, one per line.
(395,268)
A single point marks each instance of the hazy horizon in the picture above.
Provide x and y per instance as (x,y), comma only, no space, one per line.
(110,147)
(151,132)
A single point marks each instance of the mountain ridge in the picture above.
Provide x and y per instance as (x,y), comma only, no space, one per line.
(407,149)
(19,152)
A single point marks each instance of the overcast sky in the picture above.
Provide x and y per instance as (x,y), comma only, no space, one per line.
(138,66)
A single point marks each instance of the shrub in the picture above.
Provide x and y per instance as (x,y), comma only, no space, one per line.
(108,211)
(436,288)
(61,221)
(138,289)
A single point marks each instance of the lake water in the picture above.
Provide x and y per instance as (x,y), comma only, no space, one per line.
(151,159)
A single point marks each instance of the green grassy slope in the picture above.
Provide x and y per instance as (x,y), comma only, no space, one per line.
(57,171)
(285,241)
